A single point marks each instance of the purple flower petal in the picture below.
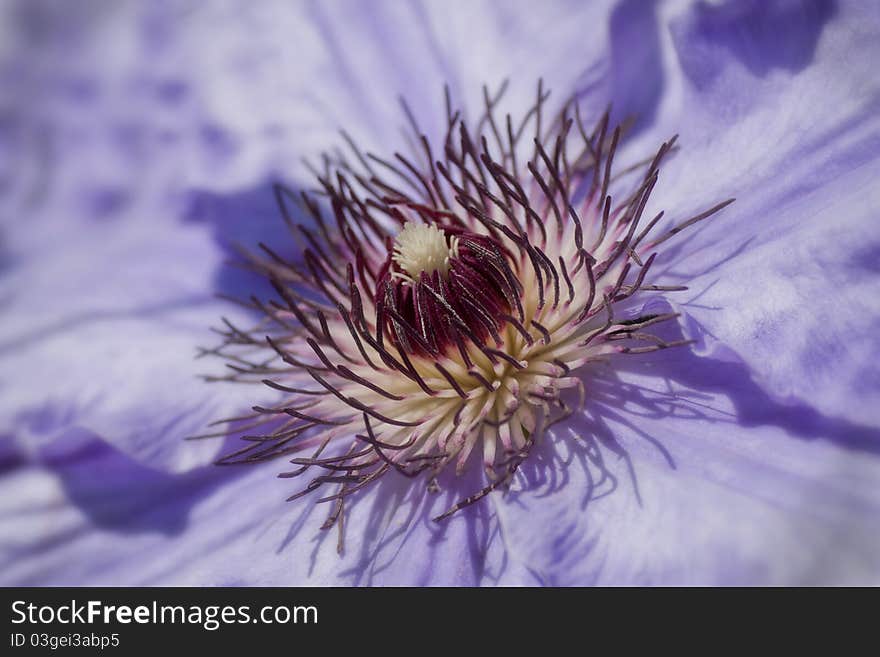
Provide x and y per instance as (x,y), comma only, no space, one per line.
(102,329)
(786,277)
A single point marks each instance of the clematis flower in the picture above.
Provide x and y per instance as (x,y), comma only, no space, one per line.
(141,144)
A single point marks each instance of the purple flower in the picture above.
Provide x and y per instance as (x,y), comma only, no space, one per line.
(139,144)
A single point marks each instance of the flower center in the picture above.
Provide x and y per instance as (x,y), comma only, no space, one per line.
(444,286)
(422,248)
(404,353)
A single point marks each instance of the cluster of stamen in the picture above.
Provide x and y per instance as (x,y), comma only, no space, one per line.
(448,303)
(445,297)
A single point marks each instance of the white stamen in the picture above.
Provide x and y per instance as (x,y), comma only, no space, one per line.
(422,248)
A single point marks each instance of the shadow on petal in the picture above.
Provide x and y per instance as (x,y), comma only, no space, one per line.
(120,494)
(244,220)
(866,261)
(727,376)
(399,526)
(762,36)
(467,539)
(389,537)
(637,79)
(631,80)
(10,456)
(6,259)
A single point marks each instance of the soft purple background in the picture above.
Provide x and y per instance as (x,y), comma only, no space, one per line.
(138,141)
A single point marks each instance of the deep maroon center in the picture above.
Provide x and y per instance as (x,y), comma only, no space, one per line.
(430,311)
